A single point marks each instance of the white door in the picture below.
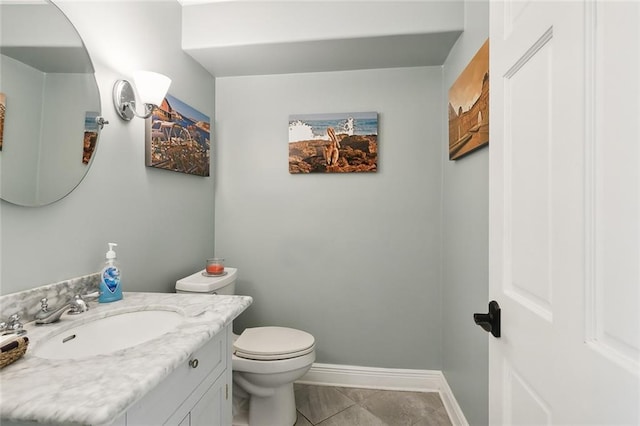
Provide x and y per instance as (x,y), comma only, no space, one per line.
(565,212)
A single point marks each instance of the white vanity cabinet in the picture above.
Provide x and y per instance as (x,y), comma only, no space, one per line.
(156,382)
(196,393)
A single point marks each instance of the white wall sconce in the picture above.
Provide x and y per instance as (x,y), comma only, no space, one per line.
(151,87)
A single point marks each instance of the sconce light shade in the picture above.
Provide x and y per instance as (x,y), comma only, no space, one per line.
(152,88)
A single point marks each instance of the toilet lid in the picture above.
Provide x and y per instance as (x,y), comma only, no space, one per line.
(272,343)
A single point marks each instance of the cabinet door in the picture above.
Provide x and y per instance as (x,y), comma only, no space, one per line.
(168,402)
(209,411)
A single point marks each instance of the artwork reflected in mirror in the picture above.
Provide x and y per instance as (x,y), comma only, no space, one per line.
(3,110)
(90,136)
(178,138)
(333,143)
(469,107)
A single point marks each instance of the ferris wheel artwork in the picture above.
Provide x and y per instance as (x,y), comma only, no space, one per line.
(178,138)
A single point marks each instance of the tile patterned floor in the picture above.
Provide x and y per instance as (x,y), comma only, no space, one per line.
(340,406)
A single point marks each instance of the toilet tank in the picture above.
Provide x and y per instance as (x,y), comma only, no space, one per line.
(200,282)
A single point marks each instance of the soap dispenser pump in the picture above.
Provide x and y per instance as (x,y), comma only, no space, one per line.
(110,288)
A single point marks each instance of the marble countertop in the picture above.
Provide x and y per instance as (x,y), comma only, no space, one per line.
(98,389)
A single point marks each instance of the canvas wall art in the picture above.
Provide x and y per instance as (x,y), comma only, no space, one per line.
(3,110)
(469,107)
(333,143)
(90,136)
(178,138)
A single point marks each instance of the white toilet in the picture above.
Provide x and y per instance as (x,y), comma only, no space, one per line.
(266,360)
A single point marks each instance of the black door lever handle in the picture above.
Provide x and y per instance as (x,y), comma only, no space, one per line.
(490,322)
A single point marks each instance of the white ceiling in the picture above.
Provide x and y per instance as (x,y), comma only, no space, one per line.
(235,37)
(51,59)
(327,55)
(38,34)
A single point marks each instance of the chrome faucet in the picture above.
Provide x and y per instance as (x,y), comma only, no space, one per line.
(12,326)
(77,305)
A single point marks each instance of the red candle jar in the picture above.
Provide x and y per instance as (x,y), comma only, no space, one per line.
(215,266)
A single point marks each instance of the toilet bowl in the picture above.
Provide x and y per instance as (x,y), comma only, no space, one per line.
(265,361)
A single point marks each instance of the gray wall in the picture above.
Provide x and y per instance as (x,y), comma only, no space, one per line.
(352,258)
(163,221)
(29,83)
(39,102)
(465,243)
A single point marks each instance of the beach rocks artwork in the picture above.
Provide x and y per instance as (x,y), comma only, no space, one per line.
(178,138)
(333,143)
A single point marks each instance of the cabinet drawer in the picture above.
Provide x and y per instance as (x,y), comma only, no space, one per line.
(158,405)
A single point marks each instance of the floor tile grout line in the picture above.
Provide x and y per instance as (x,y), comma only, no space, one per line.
(353,403)
(381,421)
(333,415)
(305,417)
(335,389)
(360,403)
(360,399)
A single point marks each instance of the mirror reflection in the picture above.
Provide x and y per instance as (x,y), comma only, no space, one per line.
(49,102)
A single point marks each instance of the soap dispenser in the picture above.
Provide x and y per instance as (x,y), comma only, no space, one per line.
(110,289)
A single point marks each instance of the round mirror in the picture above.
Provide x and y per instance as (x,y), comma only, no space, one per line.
(49,104)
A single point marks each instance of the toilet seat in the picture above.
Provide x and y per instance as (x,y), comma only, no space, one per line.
(273,343)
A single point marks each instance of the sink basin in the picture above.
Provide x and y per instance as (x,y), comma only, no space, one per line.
(108,334)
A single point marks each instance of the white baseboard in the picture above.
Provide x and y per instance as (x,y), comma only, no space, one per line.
(388,379)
